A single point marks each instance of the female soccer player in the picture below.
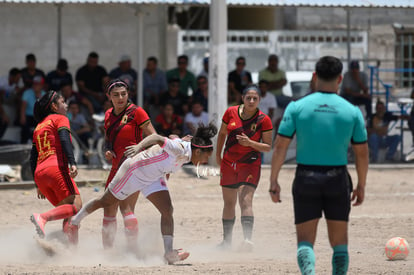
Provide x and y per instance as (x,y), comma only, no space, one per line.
(146,172)
(50,158)
(248,132)
(125,125)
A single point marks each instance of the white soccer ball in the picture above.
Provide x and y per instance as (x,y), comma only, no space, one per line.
(397,248)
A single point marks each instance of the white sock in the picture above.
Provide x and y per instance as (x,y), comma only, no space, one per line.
(168,242)
(81,214)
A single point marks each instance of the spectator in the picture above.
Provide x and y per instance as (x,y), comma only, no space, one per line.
(29,98)
(201,95)
(355,87)
(267,103)
(194,118)
(70,95)
(155,83)
(55,78)
(238,80)
(30,71)
(126,73)
(78,123)
(91,80)
(204,71)
(377,128)
(187,78)
(11,87)
(275,76)
(167,123)
(177,100)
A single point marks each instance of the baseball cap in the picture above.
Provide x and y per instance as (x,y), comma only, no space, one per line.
(124,57)
(38,80)
(354,64)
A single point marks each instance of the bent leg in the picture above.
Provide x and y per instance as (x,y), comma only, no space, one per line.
(106,200)
(162,201)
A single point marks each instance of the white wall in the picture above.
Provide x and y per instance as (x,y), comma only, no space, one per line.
(110,30)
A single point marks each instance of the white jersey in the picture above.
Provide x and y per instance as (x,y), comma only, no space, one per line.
(146,171)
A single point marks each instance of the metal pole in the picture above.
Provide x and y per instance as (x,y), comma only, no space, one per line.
(59,31)
(217,75)
(348,34)
(140,67)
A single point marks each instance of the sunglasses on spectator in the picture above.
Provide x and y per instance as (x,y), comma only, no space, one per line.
(202,83)
(241,63)
(182,62)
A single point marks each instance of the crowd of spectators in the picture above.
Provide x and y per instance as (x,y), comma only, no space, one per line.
(176,99)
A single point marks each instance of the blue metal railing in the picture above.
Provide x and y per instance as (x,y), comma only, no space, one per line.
(374,75)
(404,106)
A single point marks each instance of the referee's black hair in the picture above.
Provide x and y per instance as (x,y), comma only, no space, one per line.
(328,68)
(43,106)
(202,137)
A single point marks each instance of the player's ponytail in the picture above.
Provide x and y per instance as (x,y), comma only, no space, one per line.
(202,137)
(42,107)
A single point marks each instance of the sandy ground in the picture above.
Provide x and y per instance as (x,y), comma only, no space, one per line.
(387,212)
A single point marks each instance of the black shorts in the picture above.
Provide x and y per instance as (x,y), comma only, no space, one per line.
(321,188)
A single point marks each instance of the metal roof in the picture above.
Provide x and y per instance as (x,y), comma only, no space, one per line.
(280,3)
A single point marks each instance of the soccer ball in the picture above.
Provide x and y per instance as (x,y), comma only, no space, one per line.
(397,248)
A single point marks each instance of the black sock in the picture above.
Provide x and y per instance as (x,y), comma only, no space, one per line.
(228,229)
(247,224)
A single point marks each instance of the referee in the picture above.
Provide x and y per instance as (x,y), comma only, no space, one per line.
(324,124)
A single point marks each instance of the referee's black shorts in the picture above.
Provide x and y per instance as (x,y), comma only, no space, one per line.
(318,189)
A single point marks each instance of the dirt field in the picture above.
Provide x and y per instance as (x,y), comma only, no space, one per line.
(387,212)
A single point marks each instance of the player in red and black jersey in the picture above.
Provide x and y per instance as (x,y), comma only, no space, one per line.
(125,125)
(53,164)
(248,132)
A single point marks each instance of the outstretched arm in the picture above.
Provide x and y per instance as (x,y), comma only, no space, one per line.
(150,140)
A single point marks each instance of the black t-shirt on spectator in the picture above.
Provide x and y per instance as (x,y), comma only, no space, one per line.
(92,79)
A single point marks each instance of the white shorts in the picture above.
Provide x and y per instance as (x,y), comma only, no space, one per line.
(126,183)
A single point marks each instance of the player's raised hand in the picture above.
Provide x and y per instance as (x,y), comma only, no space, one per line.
(243,139)
(132,150)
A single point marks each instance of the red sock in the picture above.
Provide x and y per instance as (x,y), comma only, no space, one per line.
(60,212)
(108,231)
(131,225)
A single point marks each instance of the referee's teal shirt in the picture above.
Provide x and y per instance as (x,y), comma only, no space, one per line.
(324,124)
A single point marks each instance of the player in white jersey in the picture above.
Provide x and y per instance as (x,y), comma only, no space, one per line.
(146,171)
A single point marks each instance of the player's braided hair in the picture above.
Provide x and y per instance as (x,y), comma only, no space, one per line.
(202,138)
(42,107)
(115,83)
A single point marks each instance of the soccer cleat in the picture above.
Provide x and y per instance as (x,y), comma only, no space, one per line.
(176,255)
(72,233)
(246,246)
(39,222)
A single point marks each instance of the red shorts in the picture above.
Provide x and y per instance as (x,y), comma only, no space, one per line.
(234,174)
(55,184)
